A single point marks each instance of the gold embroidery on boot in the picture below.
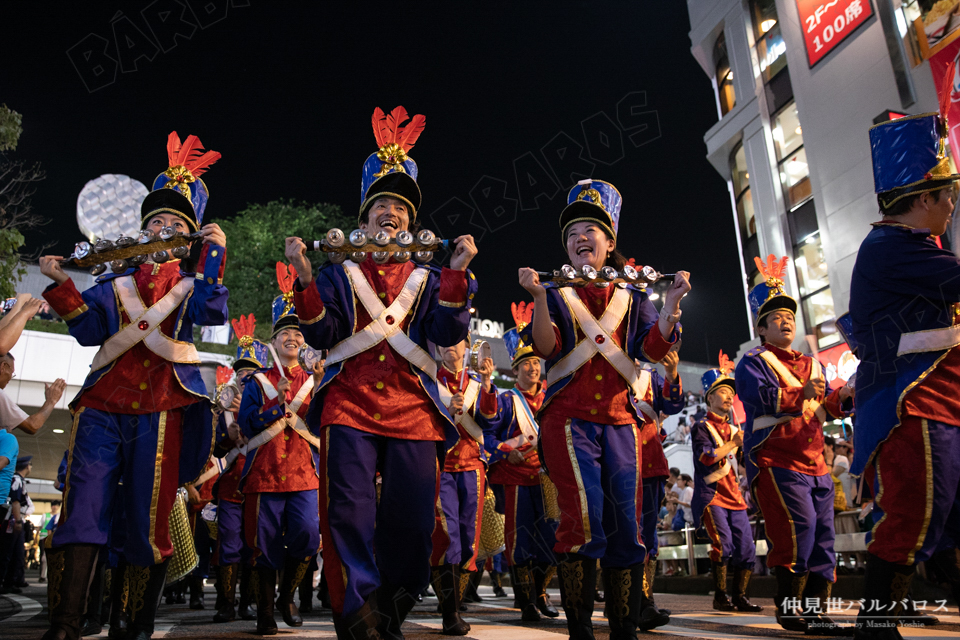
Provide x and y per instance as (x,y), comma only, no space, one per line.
(898,591)
(624,583)
(572,575)
(254,587)
(298,578)
(649,572)
(57,561)
(137,578)
(547,579)
(464,581)
(525,579)
(744,581)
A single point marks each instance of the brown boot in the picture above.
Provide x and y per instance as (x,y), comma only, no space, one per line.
(446,584)
(70,570)
(266,580)
(789,599)
(146,589)
(293,573)
(228,591)
(721,601)
(578,585)
(741,580)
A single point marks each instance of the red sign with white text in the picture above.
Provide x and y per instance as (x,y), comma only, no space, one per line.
(839,364)
(827,23)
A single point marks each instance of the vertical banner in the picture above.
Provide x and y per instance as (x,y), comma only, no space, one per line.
(938,67)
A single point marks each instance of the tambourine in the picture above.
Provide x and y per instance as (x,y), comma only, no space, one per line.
(380,246)
(226,394)
(479,352)
(570,276)
(126,252)
(308,357)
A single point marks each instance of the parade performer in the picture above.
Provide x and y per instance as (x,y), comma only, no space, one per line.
(510,435)
(591,417)
(717,503)
(199,495)
(905,308)
(456,536)
(128,417)
(665,396)
(783,395)
(382,410)
(233,554)
(280,482)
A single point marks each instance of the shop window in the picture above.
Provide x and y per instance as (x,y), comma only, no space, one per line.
(811,266)
(791,156)
(764,16)
(771,48)
(819,313)
(725,90)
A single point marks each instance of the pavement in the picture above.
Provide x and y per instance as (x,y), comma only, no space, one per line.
(23,617)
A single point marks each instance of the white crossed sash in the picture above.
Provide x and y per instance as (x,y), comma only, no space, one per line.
(529,429)
(294,421)
(215,470)
(811,407)
(598,338)
(154,339)
(470,395)
(929,340)
(234,453)
(725,467)
(386,321)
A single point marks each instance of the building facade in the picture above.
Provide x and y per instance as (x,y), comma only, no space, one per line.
(798,85)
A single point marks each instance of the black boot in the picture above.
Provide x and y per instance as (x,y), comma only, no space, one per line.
(624,605)
(446,584)
(248,592)
(885,587)
(649,573)
(790,587)
(70,569)
(914,616)
(195,581)
(721,601)
(90,623)
(496,580)
(526,588)
(266,584)
(816,595)
(946,562)
(361,624)
(393,604)
(146,589)
(227,579)
(741,580)
(119,596)
(514,584)
(306,593)
(578,584)
(323,592)
(542,575)
(293,573)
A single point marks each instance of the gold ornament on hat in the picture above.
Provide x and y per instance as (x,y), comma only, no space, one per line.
(593,195)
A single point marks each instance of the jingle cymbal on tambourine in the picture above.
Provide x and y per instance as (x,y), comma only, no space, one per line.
(226,394)
(568,275)
(336,245)
(479,352)
(126,251)
(308,357)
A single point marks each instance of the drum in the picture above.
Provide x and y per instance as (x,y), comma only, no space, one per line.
(226,394)
(308,357)
(185,558)
(551,507)
(479,352)
(491,528)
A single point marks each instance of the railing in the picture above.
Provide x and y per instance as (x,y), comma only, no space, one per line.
(691,551)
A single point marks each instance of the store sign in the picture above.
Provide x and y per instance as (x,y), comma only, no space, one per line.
(827,23)
(939,65)
(839,365)
(486,328)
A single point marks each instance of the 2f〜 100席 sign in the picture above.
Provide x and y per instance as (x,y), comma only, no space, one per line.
(827,23)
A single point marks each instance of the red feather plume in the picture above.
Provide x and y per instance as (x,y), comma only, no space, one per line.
(522,313)
(772,269)
(189,154)
(946,91)
(244,326)
(387,129)
(286,275)
(223,375)
(632,263)
(726,365)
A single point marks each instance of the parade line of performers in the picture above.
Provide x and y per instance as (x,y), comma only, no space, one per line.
(386,455)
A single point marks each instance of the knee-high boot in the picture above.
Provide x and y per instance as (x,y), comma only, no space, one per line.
(446,584)
(393,603)
(578,584)
(721,601)
(543,573)
(119,599)
(90,623)
(293,572)
(789,599)
(266,583)
(227,579)
(146,589)
(306,592)
(886,585)
(741,580)
(526,588)
(816,594)
(248,592)
(649,573)
(70,569)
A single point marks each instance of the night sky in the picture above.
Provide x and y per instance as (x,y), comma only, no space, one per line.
(521,100)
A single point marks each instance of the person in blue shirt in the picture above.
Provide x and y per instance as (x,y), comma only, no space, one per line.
(9,450)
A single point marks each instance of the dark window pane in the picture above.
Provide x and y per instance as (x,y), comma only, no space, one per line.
(779,91)
(803,222)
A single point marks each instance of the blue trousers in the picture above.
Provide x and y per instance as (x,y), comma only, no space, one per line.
(366,544)
(596,468)
(281,525)
(141,450)
(230,544)
(731,537)
(653,492)
(456,535)
(527,532)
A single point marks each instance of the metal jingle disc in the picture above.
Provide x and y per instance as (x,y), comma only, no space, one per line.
(608,273)
(650,274)
(358,256)
(629,273)
(335,238)
(381,239)
(167,233)
(426,237)
(125,241)
(479,352)
(102,245)
(82,250)
(358,238)
(337,258)
(226,395)
(381,257)
(308,357)
(402,256)
(588,272)
(180,252)
(423,257)
(97,269)
(146,236)
(118,266)
(160,256)
(404,238)
(568,272)
(136,261)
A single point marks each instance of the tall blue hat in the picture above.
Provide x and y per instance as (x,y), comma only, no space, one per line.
(593,200)
(179,190)
(251,353)
(390,171)
(715,378)
(518,341)
(284,313)
(769,295)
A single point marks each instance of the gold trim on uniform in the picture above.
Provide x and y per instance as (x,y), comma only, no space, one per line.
(57,560)
(155,496)
(83,308)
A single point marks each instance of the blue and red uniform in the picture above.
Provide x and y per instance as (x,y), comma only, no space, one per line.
(381,412)
(231,546)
